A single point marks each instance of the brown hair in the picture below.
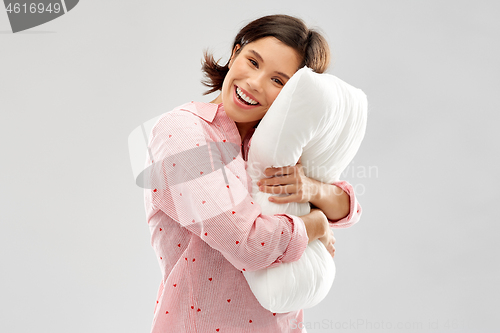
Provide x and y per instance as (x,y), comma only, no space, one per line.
(309,44)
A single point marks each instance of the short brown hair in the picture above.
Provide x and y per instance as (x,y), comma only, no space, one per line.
(310,45)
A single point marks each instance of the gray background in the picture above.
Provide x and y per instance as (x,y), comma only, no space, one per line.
(75,247)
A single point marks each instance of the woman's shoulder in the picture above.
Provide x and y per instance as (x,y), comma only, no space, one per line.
(176,131)
(186,118)
(178,112)
(192,110)
(177,115)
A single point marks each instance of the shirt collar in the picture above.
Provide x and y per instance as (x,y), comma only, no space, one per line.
(206,111)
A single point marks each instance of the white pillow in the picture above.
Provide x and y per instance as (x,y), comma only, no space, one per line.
(321,119)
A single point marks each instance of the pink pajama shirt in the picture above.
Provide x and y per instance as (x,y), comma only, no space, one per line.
(206,230)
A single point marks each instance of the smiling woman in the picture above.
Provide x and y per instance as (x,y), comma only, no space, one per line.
(257,72)
(206,228)
(272,49)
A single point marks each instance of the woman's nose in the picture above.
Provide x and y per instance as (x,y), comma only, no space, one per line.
(255,82)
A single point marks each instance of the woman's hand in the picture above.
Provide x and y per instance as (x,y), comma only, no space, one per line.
(329,240)
(289,180)
(333,200)
(317,227)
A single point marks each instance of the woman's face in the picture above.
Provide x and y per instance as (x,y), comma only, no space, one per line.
(255,77)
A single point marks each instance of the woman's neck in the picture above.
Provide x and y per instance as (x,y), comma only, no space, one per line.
(243,128)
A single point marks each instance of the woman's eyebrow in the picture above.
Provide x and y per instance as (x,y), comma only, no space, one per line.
(257,55)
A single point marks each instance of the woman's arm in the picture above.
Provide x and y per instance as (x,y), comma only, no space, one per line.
(214,204)
(331,199)
(336,200)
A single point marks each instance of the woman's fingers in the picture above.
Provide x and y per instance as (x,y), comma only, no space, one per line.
(288,180)
(295,193)
(282,171)
(331,250)
(279,189)
(284,200)
(328,240)
(279,180)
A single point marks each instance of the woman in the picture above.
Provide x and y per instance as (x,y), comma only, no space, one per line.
(206,230)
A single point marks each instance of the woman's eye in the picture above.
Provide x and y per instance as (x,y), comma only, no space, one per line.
(254,63)
(278,81)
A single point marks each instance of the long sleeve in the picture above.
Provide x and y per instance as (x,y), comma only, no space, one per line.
(355,210)
(196,181)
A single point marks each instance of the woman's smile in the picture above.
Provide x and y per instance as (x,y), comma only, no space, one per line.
(244,99)
(257,73)
(243,96)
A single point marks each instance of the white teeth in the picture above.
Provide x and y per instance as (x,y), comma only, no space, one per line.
(245,97)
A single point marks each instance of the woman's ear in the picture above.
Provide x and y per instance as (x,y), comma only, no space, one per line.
(233,55)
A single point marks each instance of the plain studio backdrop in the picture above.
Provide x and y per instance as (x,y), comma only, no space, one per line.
(75,245)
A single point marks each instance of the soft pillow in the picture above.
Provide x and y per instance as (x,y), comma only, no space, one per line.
(321,119)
